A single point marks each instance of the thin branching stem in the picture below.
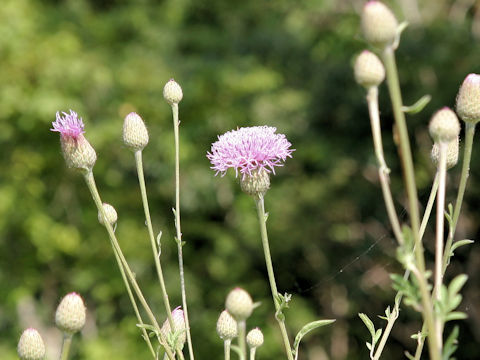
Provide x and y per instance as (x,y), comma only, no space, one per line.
(176,130)
(90,181)
(259,202)
(409,175)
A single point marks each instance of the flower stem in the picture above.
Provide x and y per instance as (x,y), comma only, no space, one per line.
(467,156)
(383,170)
(241,337)
(67,341)
(252,353)
(156,251)
(406,157)
(259,202)
(122,262)
(226,348)
(176,130)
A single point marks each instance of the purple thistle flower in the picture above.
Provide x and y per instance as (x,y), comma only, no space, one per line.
(250,148)
(68,125)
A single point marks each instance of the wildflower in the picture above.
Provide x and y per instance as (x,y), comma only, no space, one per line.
(255,338)
(452,153)
(444,126)
(369,70)
(468,99)
(71,313)
(248,149)
(135,133)
(172,92)
(226,326)
(31,346)
(77,151)
(379,25)
(110,214)
(180,335)
(239,304)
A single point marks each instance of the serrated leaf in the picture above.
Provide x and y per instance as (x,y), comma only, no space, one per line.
(307,328)
(368,323)
(459,243)
(418,106)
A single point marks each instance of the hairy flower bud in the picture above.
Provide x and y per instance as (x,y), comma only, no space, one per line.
(239,304)
(369,70)
(172,92)
(78,153)
(468,99)
(110,214)
(180,328)
(226,326)
(257,183)
(379,25)
(452,153)
(31,346)
(71,313)
(255,338)
(135,134)
(444,126)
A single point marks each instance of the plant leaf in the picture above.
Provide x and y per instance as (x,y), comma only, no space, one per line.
(306,329)
(418,106)
(459,243)
(368,323)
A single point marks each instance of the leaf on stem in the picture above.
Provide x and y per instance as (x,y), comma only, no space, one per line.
(418,106)
(459,243)
(306,329)
(450,344)
(368,323)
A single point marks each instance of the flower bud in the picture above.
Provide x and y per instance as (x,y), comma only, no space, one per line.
(444,126)
(172,92)
(379,25)
(71,313)
(226,326)
(452,153)
(31,346)
(180,328)
(255,183)
(468,99)
(239,304)
(110,214)
(255,338)
(135,134)
(78,152)
(369,70)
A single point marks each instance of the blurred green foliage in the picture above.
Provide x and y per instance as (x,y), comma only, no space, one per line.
(240,63)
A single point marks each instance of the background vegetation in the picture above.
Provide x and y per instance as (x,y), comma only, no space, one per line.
(240,63)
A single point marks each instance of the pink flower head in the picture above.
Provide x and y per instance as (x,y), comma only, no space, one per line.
(250,148)
(177,314)
(68,125)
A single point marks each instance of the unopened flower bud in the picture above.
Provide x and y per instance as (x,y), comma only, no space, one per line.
(444,126)
(452,153)
(255,183)
(468,99)
(379,25)
(369,70)
(239,304)
(180,328)
(31,346)
(226,326)
(135,134)
(255,338)
(78,153)
(172,92)
(71,313)
(110,214)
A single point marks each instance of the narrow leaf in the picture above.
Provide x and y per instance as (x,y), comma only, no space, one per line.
(368,323)
(459,243)
(418,106)
(378,333)
(456,315)
(307,328)
(456,284)
(369,346)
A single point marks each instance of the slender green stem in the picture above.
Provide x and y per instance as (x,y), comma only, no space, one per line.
(428,208)
(241,337)
(467,156)
(406,156)
(155,250)
(135,307)
(439,238)
(386,333)
(67,341)
(252,353)
(176,130)
(90,181)
(383,170)
(259,202)
(226,348)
